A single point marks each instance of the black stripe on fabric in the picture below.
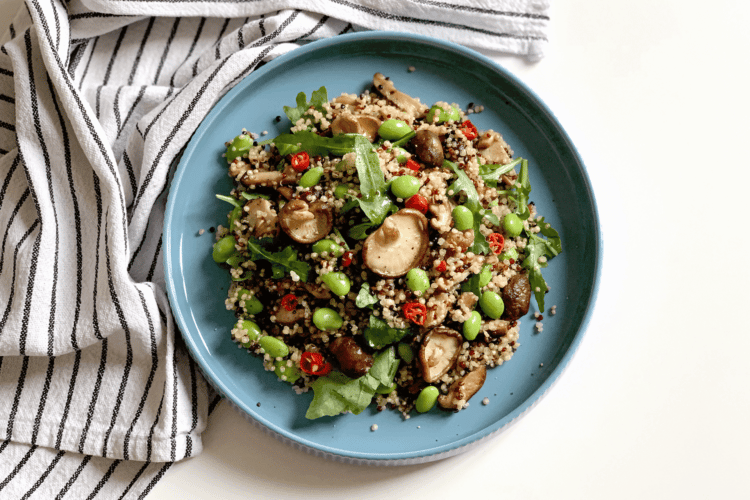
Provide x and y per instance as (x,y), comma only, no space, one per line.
(132,481)
(137,101)
(12,30)
(155,480)
(4,189)
(150,440)
(478,10)
(5,98)
(129,348)
(214,402)
(257,63)
(13,215)
(57,25)
(94,396)
(193,405)
(6,72)
(277,32)
(71,391)
(43,399)
(154,261)
(140,245)
(116,108)
(13,277)
(4,445)
(7,126)
(192,48)
(98,196)
(3,151)
(240,35)
(173,437)
(218,40)
(347,28)
(44,475)
(151,374)
(163,109)
(315,28)
(17,397)
(73,478)
(163,59)
(131,172)
(17,468)
(88,63)
(96,15)
(110,65)
(443,24)
(262,25)
(104,479)
(76,56)
(137,61)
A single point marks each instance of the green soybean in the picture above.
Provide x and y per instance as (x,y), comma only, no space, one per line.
(224,248)
(485,275)
(512,225)
(401,155)
(443,114)
(284,372)
(393,129)
(427,399)
(338,282)
(273,347)
(341,191)
(509,254)
(329,246)
(463,219)
(311,177)
(405,186)
(327,319)
(238,147)
(405,352)
(492,304)
(250,302)
(472,325)
(252,329)
(386,389)
(417,280)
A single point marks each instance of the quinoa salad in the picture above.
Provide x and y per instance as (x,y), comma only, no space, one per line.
(383,251)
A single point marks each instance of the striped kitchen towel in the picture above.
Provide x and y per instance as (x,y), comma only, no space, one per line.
(97,99)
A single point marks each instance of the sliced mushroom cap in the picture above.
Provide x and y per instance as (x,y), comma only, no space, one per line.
(437,309)
(428,147)
(496,328)
(439,352)
(516,296)
(306,223)
(460,241)
(463,389)
(493,148)
(348,123)
(353,360)
(288,318)
(403,101)
(262,178)
(398,245)
(262,217)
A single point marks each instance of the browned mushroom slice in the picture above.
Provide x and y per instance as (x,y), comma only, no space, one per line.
(516,296)
(262,218)
(459,241)
(398,245)
(403,101)
(318,291)
(288,318)
(353,360)
(428,147)
(496,328)
(439,352)
(437,309)
(348,123)
(463,389)
(493,148)
(262,178)
(306,223)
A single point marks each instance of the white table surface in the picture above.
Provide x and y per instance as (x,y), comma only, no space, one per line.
(656,402)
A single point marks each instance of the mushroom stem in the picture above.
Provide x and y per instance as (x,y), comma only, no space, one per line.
(390,231)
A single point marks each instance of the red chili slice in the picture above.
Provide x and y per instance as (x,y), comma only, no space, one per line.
(442,267)
(289,302)
(301,161)
(313,363)
(415,312)
(346,259)
(469,130)
(418,202)
(412,165)
(497,242)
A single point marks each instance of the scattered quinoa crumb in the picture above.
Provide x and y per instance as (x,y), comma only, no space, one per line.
(539,326)
(374,427)
(486,401)
(201,231)
(553,310)
(412,69)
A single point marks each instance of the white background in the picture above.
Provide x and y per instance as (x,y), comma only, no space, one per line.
(656,402)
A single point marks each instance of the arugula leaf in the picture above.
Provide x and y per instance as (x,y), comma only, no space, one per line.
(375,202)
(314,144)
(379,334)
(282,262)
(229,199)
(365,298)
(552,235)
(491,173)
(463,183)
(403,140)
(521,192)
(336,393)
(539,247)
(254,196)
(317,99)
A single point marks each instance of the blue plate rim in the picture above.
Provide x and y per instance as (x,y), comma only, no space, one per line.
(423,455)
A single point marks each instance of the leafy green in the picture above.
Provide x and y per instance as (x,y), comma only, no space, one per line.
(360,231)
(317,99)
(403,140)
(314,144)
(229,199)
(375,202)
(365,298)
(282,263)
(254,196)
(463,183)
(336,393)
(491,173)
(520,193)
(537,248)
(379,334)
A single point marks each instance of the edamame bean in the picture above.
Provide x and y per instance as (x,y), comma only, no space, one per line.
(311,177)
(485,275)
(463,219)
(285,372)
(224,248)
(472,325)
(405,186)
(417,280)
(492,304)
(249,301)
(329,246)
(443,114)
(338,283)
(427,399)
(509,254)
(512,225)
(341,191)
(252,329)
(393,129)
(238,147)
(327,319)
(405,352)
(401,155)
(273,347)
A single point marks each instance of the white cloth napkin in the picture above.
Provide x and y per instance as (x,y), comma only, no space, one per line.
(97,99)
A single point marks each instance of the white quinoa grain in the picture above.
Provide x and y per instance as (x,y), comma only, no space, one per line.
(486,401)
(374,427)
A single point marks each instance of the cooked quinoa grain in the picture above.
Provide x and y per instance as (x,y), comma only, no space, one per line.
(340,281)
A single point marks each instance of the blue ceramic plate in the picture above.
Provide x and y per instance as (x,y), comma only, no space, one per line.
(561,190)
